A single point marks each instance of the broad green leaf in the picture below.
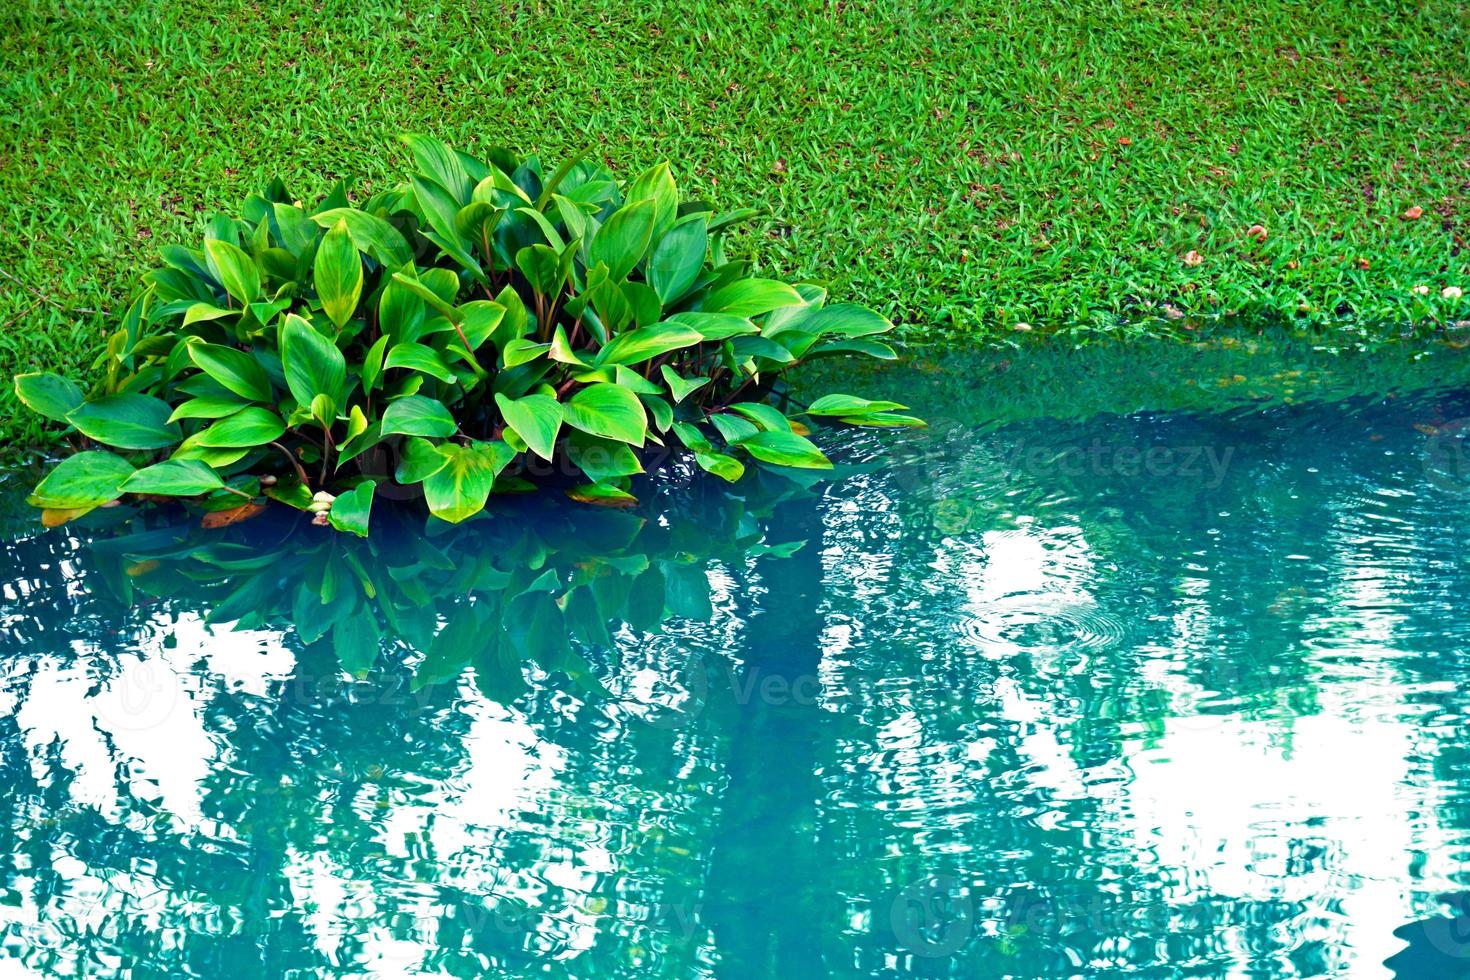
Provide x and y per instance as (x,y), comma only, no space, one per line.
(547,229)
(645,343)
(235,369)
(208,407)
(562,172)
(725,467)
(357,424)
(561,349)
(536,419)
(370,234)
(541,265)
(291,492)
(602,495)
(82,482)
(441,210)
(126,421)
(420,357)
(400,309)
(602,459)
(716,326)
(733,429)
(609,411)
(350,511)
(846,320)
(748,347)
(849,405)
(657,184)
(48,395)
(460,489)
(626,377)
(785,449)
(763,415)
(202,312)
(215,458)
(430,286)
(297,231)
(254,426)
(677,260)
(359,442)
(442,164)
(417,415)
(644,303)
(371,371)
(751,297)
(323,410)
(522,351)
(337,274)
(174,478)
(237,270)
(482,318)
(421,459)
(680,387)
(661,410)
(312,363)
(692,438)
(623,239)
(476,222)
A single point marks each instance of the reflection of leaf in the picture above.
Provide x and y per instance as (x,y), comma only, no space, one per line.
(234,515)
(355,641)
(455,646)
(687,591)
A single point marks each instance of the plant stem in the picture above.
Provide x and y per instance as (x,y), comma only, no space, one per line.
(300,471)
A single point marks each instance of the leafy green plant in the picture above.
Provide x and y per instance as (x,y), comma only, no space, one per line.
(488,323)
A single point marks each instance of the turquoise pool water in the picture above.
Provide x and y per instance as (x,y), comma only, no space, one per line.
(1160,694)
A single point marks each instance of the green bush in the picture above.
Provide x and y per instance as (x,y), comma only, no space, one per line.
(483,325)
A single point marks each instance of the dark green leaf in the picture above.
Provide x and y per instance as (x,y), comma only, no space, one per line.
(417,415)
(254,426)
(82,482)
(235,369)
(785,449)
(236,269)
(751,297)
(337,274)
(48,395)
(645,343)
(421,459)
(370,234)
(677,259)
(422,358)
(174,478)
(536,419)
(350,511)
(126,422)
(609,411)
(460,489)
(312,363)
(623,239)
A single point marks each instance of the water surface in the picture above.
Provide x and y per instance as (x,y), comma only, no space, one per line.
(1094,692)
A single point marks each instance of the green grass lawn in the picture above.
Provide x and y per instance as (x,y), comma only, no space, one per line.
(963,166)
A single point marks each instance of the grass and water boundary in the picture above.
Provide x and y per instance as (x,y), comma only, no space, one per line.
(965,167)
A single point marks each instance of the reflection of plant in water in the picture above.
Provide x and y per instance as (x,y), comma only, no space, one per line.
(537,583)
(312,780)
